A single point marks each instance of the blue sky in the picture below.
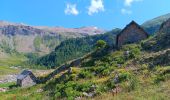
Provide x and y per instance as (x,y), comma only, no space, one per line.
(106,14)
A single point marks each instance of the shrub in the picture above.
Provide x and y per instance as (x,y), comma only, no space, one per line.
(163,74)
(120,60)
(110,84)
(73,76)
(100,44)
(134,50)
(124,76)
(85,74)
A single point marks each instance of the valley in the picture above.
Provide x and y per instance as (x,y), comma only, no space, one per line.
(86,63)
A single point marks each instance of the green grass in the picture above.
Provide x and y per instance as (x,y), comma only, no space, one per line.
(151,92)
(137,81)
(7,84)
(13,60)
(5,70)
(24,94)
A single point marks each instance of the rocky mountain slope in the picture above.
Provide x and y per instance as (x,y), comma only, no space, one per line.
(31,39)
(161,40)
(152,26)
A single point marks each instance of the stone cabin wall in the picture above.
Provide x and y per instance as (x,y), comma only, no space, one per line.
(26,82)
(131,34)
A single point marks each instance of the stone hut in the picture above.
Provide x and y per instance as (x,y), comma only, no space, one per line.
(132,33)
(26,79)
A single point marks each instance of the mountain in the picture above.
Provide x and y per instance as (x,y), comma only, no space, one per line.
(152,26)
(128,73)
(135,71)
(37,39)
(82,30)
(74,48)
(161,40)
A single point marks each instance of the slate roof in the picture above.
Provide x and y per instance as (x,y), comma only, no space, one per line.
(24,74)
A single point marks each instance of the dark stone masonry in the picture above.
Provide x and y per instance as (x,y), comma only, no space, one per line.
(26,79)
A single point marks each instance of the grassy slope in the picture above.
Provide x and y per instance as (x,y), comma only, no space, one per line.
(144,87)
(154,92)
(9,61)
(73,48)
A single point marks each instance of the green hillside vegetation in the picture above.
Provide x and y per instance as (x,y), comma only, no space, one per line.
(138,71)
(73,48)
(99,75)
(159,42)
(11,61)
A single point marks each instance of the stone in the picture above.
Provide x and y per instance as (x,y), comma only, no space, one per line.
(91,94)
(132,33)
(39,90)
(126,53)
(3,89)
(26,79)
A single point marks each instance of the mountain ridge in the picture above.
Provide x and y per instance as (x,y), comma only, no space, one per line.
(30,39)
(152,26)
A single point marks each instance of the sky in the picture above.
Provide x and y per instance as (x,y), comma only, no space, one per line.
(106,14)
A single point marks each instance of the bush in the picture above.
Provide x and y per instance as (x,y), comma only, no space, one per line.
(134,50)
(120,60)
(71,89)
(124,76)
(85,74)
(100,44)
(110,84)
(163,74)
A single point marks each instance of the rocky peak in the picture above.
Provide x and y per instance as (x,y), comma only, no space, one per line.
(19,29)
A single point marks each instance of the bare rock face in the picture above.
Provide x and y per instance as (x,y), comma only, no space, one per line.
(20,29)
(132,33)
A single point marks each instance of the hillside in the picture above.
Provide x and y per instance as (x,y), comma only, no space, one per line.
(41,39)
(132,72)
(152,26)
(30,39)
(161,40)
(74,48)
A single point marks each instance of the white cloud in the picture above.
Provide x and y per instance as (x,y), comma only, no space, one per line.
(126,11)
(95,7)
(71,9)
(129,2)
